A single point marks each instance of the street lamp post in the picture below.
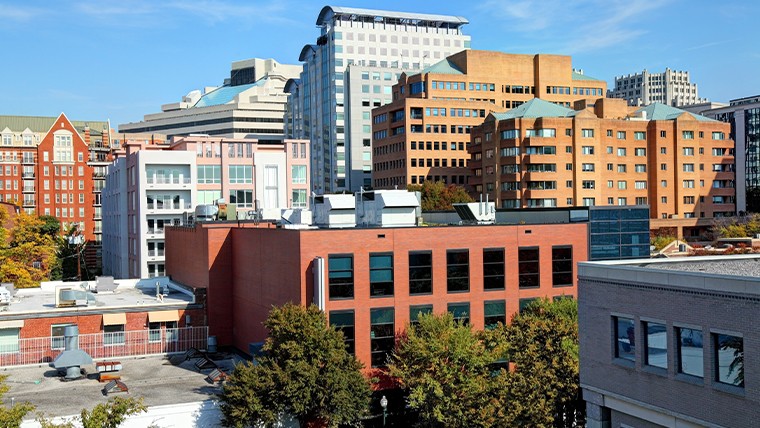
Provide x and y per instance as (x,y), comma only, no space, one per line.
(384,405)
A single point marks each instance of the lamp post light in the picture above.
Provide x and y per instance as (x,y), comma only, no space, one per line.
(384,405)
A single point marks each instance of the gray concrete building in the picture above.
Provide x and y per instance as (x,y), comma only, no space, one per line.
(671,87)
(351,69)
(670,343)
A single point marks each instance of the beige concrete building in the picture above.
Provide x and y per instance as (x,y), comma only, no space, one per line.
(424,133)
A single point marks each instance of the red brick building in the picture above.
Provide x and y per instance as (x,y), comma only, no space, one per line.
(372,282)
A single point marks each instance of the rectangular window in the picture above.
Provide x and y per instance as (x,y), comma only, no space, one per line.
(524,303)
(621,151)
(688,151)
(728,358)
(639,135)
(416,310)
(494,312)
(420,272)
(457,270)
(209,174)
(587,133)
(341,276)
(625,338)
(656,354)
(381,274)
(562,266)
(343,321)
(242,198)
(493,268)
(688,135)
(690,352)
(113,334)
(640,151)
(460,311)
(56,336)
(298,174)
(528,267)
(240,174)
(382,335)
(621,135)
(9,340)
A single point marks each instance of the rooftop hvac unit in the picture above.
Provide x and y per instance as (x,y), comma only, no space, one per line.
(72,358)
(476,212)
(66,296)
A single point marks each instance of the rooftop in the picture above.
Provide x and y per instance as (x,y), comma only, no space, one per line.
(225,94)
(659,111)
(536,108)
(441,67)
(153,378)
(43,123)
(130,295)
(579,76)
(353,13)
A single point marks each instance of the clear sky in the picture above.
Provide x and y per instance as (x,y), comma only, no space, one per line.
(119,60)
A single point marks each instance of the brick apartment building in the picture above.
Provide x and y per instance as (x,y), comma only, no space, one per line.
(544,155)
(424,133)
(54,166)
(372,281)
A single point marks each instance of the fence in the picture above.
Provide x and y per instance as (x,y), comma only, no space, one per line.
(40,350)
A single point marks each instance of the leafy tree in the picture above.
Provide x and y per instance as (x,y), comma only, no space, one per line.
(30,255)
(11,417)
(446,368)
(50,226)
(437,196)
(104,415)
(544,388)
(305,372)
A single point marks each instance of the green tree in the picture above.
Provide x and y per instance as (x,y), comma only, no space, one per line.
(305,372)
(447,370)
(544,387)
(437,196)
(11,417)
(30,255)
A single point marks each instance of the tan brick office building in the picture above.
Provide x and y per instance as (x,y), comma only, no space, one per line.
(544,155)
(424,133)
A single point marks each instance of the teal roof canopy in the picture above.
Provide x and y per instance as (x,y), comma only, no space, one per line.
(441,67)
(225,94)
(579,76)
(536,108)
(659,111)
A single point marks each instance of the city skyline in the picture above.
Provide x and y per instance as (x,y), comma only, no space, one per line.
(98,62)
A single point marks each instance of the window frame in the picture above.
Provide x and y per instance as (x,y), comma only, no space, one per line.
(556,272)
(352,278)
(387,289)
(454,266)
(494,280)
(521,265)
(424,269)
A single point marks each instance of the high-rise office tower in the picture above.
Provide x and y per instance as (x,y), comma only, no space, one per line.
(351,69)
(671,87)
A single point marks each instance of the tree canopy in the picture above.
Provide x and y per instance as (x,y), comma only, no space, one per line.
(305,372)
(437,196)
(11,417)
(27,251)
(455,376)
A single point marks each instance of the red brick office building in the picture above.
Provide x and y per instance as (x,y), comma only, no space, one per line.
(373,280)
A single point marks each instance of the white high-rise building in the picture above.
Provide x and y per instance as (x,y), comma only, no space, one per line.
(671,87)
(351,69)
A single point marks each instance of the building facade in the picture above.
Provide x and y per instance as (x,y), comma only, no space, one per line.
(666,343)
(671,87)
(350,70)
(250,104)
(744,116)
(156,185)
(425,132)
(55,166)
(544,155)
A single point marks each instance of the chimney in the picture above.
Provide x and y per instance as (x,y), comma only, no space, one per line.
(87,134)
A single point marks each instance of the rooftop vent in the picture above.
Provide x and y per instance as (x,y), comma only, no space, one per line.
(476,212)
(72,358)
(66,296)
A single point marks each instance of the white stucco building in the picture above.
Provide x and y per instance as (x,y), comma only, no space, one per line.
(671,87)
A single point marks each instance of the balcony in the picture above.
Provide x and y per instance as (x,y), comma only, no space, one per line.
(27,174)
(29,203)
(167,179)
(28,190)
(99,147)
(155,231)
(155,253)
(27,160)
(169,206)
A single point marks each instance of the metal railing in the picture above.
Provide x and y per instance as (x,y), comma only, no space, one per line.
(105,345)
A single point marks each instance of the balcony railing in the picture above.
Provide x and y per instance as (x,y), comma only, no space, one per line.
(41,350)
(27,174)
(155,253)
(167,179)
(155,230)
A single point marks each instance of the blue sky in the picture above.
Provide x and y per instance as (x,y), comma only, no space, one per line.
(97,60)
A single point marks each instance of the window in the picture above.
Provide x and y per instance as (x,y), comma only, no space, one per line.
(9,340)
(420,272)
(524,303)
(688,167)
(688,184)
(56,336)
(343,321)
(460,311)
(589,202)
(690,353)
(562,266)
(457,270)
(242,198)
(639,135)
(621,151)
(382,335)
(494,312)
(298,198)
(728,357)
(341,276)
(154,331)
(416,310)
(688,135)
(587,150)
(640,152)
(528,267)
(588,184)
(718,136)
(588,167)
(493,268)
(587,133)
(688,151)
(209,174)
(298,174)
(621,135)
(622,185)
(240,174)
(640,167)
(381,274)
(625,338)
(113,334)
(621,168)
(63,147)
(656,354)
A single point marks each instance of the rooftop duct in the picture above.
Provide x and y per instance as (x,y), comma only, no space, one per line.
(72,358)
(476,212)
